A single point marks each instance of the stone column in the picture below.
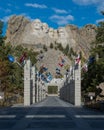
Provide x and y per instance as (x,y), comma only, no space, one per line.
(33,83)
(39,91)
(37,87)
(45,91)
(71,86)
(27,82)
(68,88)
(78,85)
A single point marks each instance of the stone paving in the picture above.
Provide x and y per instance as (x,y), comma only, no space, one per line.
(51,114)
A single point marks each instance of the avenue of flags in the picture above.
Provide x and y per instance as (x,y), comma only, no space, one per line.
(22,58)
(77,59)
(20,61)
(47,76)
(62,63)
(43,70)
(90,60)
(44,75)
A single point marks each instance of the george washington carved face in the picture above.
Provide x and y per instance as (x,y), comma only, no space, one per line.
(37,25)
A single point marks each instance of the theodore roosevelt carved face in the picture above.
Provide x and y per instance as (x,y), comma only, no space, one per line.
(55,34)
(51,32)
(62,32)
(62,36)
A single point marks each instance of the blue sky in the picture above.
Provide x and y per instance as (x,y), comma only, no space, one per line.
(54,12)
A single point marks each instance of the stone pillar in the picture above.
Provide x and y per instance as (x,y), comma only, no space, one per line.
(78,84)
(27,83)
(45,91)
(73,73)
(68,88)
(39,91)
(46,88)
(42,90)
(33,83)
(37,88)
(71,86)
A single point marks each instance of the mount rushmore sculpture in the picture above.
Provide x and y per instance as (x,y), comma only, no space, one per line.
(36,34)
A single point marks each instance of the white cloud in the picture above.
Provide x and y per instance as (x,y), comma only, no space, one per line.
(27,16)
(62,20)
(5,10)
(98,3)
(86,2)
(59,11)
(35,5)
(100,7)
(99,20)
(5,19)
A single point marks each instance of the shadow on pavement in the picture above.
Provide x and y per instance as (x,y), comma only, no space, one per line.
(48,117)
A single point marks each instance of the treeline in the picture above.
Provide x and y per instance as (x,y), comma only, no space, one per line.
(11,74)
(95,74)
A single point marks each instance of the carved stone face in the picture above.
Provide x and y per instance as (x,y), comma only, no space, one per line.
(37,24)
(51,32)
(61,32)
(55,34)
(62,36)
(45,27)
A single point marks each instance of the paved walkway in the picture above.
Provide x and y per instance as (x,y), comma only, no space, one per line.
(51,114)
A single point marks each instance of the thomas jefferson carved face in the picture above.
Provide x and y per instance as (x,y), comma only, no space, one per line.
(45,27)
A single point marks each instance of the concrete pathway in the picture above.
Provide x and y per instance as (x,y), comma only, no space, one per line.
(51,114)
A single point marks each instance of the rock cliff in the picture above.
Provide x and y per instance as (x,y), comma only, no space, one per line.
(35,34)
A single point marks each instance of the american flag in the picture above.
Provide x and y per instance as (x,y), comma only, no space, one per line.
(77,60)
(23,57)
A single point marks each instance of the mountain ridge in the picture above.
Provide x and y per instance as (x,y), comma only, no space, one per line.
(36,34)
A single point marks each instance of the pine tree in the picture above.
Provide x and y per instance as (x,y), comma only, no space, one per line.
(66,50)
(95,74)
(51,45)
(1,37)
